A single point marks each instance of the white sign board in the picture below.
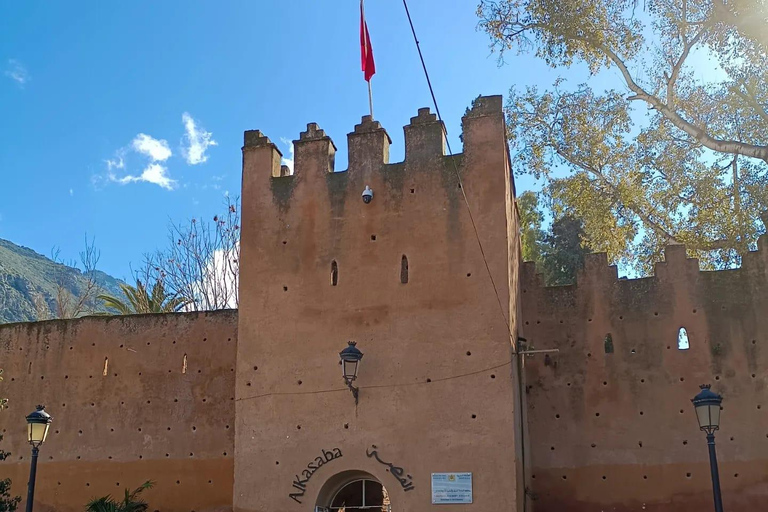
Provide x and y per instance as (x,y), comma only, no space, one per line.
(448,488)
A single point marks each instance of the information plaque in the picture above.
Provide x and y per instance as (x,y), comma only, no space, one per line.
(451,488)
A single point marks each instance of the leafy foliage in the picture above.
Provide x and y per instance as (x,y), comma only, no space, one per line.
(563,251)
(139,300)
(559,252)
(8,503)
(132,502)
(694,171)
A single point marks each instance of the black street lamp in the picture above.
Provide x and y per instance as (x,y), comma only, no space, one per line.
(350,360)
(707,406)
(37,430)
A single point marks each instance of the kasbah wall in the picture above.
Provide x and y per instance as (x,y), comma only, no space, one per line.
(616,431)
(133,398)
(223,421)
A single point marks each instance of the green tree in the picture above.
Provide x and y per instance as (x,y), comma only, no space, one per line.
(531,220)
(132,501)
(559,251)
(694,171)
(8,503)
(563,251)
(139,300)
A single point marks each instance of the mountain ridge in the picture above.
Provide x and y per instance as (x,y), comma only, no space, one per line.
(27,276)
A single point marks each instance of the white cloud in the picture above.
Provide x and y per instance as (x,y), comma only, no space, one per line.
(154,173)
(17,72)
(156,149)
(288,161)
(118,162)
(197,139)
(71,192)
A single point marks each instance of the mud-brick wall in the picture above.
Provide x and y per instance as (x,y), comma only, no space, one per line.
(610,420)
(133,398)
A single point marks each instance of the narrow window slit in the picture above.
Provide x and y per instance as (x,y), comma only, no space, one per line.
(608,344)
(404,270)
(334,273)
(106,367)
(682,339)
(184,364)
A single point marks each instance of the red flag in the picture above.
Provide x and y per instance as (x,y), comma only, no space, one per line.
(366,52)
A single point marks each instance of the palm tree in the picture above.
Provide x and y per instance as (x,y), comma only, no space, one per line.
(131,502)
(140,301)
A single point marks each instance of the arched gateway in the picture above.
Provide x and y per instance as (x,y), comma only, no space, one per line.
(353,491)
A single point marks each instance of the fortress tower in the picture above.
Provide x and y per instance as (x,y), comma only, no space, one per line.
(404,276)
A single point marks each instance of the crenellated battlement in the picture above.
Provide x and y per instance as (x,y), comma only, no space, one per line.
(298,226)
(369,142)
(676,266)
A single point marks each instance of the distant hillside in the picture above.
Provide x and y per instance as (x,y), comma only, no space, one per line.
(25,274)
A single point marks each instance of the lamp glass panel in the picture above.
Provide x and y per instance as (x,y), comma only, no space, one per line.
(702,414)
(36,432)
(350,369)
(714,415)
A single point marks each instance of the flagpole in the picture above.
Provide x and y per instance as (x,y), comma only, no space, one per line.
(370,98)
(370,91)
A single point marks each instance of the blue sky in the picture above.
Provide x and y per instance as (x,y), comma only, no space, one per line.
(96,97)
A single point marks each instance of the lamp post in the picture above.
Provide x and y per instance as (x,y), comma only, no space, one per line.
(350,360)
(37,430)
(707,406)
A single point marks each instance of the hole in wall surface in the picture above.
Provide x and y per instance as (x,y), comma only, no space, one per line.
(373,238)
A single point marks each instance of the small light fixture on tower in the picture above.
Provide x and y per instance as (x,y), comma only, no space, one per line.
(350,361)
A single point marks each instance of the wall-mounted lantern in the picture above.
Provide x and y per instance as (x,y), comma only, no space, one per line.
(350,361)
(38,423)
(707,404)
